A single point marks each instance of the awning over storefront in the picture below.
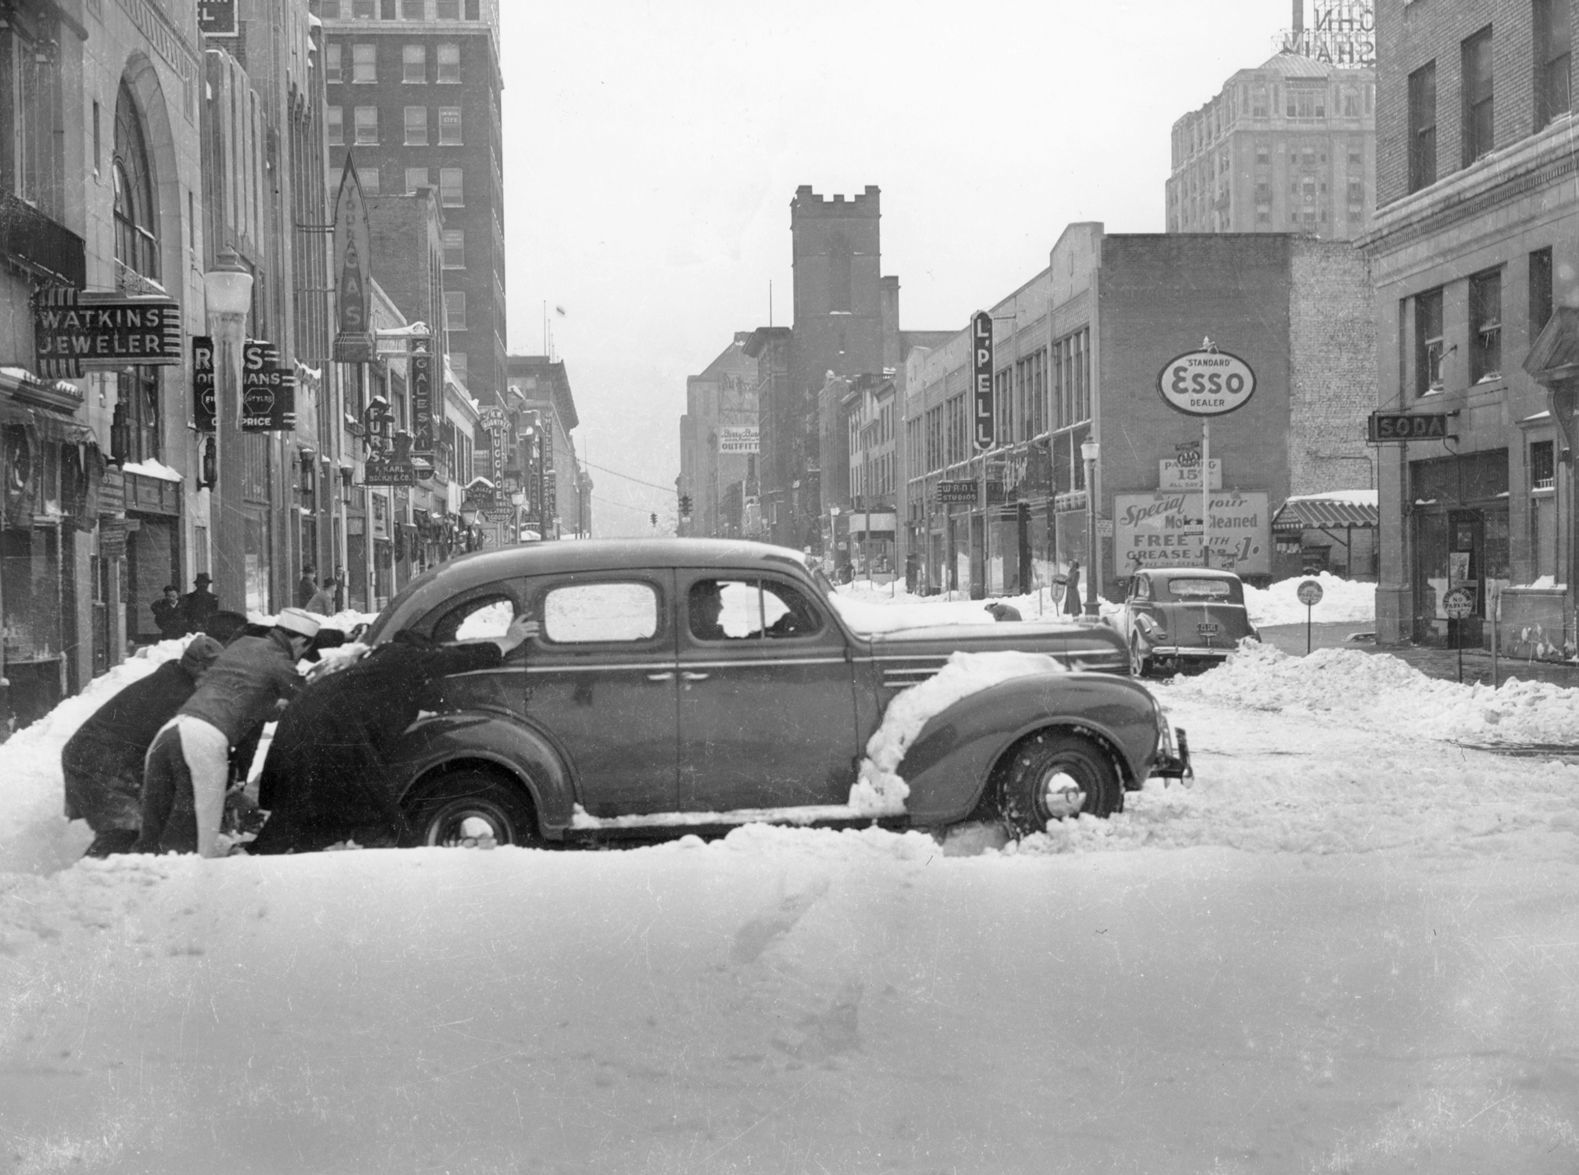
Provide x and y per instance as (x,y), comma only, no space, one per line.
(1317,513)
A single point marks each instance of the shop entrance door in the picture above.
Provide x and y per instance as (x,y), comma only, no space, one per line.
(1466,540)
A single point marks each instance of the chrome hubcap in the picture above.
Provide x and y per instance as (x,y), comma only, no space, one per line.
(1062,795)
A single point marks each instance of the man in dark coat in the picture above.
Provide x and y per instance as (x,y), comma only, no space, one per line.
(187,772)
(169,615)
(103,761)
(305,586)
(199,604)
(1072,603)
(325,779)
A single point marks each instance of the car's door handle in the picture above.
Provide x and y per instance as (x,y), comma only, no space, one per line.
(688,675)
(666,676)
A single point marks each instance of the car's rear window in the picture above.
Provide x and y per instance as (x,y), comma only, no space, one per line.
(1200,589)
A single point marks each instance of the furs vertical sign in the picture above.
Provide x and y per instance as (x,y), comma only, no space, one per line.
(985,426)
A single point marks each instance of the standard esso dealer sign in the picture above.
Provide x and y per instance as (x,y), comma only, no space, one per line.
(1206,383)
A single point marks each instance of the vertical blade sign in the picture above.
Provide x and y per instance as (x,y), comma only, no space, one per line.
(981,383)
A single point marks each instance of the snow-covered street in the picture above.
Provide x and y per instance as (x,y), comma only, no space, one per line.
(1350,947)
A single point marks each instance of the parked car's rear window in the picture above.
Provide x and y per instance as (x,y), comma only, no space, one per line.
(586,613)
(1200,589)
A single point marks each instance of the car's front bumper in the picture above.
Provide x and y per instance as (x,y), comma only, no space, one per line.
(1173,758)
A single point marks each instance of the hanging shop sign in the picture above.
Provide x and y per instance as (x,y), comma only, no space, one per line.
(1206,383)
(268,390)
(985,426)
(76,330)
(203,382)
(387,471)
(353,253)
(739,440)
(955,492)
(421,384)
(1385,428)
(216,18)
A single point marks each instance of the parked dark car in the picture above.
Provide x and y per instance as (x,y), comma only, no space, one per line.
(694,684)
(1180,618)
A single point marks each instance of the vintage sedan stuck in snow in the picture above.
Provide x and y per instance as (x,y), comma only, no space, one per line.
(692,685)
(1177,618)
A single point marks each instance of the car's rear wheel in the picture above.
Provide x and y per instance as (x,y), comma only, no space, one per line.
(1137,659)
(470,807)
(1056,776)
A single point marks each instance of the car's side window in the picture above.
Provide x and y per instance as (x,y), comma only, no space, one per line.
(749,609)
(593,613)
(476,618)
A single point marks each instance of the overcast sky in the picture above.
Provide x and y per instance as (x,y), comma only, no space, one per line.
(652,150)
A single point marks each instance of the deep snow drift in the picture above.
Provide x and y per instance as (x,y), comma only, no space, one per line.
(1348,948)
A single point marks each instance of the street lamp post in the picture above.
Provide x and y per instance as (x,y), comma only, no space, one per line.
(1089,451)
(227,299)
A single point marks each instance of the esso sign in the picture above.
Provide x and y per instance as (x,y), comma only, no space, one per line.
(1206,383)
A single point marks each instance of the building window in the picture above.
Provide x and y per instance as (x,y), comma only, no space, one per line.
(363,10)
(1307,100)
(136,414)
(1553,37)
(416,179)
(368,178)
(451,192)
(454,248)
(364,64)
(449,126)
(1543,467)
(1422,127)
(331,63)
(449,62)
(413,9)
(367,126)
(457,362)
(334,126)
(447,9)
(1428,342)
(454,310)
(1485,325)
(1477,95)
(414,65)
(1542,298)
(416,126)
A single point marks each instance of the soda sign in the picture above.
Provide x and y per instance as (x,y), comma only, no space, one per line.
(1206,383)
(1386,427)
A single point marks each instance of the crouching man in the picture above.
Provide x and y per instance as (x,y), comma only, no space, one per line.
(103,762)
(188,768)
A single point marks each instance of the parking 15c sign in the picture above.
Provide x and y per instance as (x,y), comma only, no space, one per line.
(1206,383)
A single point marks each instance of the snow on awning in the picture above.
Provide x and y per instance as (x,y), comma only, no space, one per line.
(1323,514)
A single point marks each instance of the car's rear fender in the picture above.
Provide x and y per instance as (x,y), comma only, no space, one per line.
(966,741)
(444,742)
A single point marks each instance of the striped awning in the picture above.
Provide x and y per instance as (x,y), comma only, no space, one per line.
(1324,514)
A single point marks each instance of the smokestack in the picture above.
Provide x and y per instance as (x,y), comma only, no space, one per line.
(1299,18)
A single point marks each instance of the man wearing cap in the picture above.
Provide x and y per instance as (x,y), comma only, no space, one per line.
(199,604)
(188,768)
(169,615)
(103,761)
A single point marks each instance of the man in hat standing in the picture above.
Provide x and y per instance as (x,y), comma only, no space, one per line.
(188,768)
(199,604)
(306,586)
(103,761)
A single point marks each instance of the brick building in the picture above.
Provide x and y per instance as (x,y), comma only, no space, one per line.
(719,447)
(1077,353)
(1286,147)
(414,95)
(1473,248)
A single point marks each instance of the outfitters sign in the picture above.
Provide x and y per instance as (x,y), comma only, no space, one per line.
(76,330)
(268,390)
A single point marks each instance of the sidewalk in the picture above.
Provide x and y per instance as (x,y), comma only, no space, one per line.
(1443,663)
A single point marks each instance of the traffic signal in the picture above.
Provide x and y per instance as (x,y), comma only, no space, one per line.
(685,504)
(654,518)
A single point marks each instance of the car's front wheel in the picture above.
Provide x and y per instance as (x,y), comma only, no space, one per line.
(470,807)
(1137,659)
(1055,776)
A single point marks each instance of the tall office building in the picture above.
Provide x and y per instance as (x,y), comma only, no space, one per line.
(414,90)
(1287,147)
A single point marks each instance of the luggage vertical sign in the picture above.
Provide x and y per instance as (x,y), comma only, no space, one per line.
(981,380)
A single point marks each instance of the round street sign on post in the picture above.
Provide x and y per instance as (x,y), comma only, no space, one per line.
(1458,603)
(1309,593)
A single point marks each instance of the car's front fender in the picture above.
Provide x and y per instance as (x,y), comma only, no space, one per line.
(948,766)
(442,742)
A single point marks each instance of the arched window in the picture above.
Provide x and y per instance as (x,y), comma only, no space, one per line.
(136,221)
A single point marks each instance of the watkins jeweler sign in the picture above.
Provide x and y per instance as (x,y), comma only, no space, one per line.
(75,330)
